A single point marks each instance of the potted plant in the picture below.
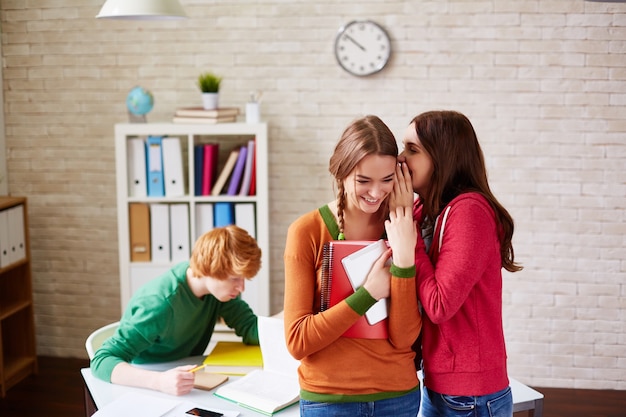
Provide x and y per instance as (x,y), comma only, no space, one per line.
(209,85)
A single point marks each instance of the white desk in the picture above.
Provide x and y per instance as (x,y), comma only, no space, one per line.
(99,393)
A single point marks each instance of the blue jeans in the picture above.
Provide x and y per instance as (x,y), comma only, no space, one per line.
(498,404)
(405,406)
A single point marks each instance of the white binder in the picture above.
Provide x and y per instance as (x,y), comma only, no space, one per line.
(204,219)
(136,165)
(160,232)
(245,217)
(173,167)
(17,238)
(179,232)
(4,239)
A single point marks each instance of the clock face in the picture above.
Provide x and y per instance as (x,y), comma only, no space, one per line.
(362,47)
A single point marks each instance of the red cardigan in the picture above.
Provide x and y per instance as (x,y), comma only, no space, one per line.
(463,340)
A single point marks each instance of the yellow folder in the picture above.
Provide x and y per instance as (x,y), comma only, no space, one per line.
(234,358)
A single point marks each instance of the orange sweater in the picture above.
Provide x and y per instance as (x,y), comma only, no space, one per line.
(335,368)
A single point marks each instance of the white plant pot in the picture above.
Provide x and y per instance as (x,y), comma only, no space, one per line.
(210,101)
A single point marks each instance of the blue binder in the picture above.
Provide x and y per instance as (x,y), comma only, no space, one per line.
(223,213)
(154,151)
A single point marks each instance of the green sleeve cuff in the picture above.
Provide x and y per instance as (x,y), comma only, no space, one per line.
(361,301)
(396,271)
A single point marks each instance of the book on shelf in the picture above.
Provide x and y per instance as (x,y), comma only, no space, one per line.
(204,120)
(226,171)
(247,173)
(274,387)
(202,112)
(233,358)
(252,190)
(235,178)
(337,286)
(209,168)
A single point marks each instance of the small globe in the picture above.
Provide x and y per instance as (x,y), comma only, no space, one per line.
(139,101)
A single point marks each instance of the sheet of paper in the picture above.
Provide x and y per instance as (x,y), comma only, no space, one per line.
(276,357)
(137,404)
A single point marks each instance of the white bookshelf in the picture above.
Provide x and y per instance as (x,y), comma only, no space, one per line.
(228,135)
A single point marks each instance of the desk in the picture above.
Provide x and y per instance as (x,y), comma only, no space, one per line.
(526,398)
(99,393)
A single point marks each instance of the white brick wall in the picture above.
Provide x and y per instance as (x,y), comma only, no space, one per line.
(544,82)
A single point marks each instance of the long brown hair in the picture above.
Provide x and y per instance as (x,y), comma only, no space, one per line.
(368,135)
(459,167)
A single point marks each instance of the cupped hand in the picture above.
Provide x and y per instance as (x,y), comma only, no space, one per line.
(402,194)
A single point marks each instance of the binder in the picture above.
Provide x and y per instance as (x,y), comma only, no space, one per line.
(209,168)
(223,214)
(235,178)
(4,239)
(17,238)
(139,225)
(204,219)
(136,166)
(245,217)
(174,180)
(247,173)
(160,232)
(198,164)
(154,153)
(225,173)
(336,286)
(179,232)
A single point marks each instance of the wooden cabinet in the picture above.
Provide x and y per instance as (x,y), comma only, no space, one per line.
(18,356)
(140,260)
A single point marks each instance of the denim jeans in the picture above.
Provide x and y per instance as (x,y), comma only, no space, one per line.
(498,404)
(405,406)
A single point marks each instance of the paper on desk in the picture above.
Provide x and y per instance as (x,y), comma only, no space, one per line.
(137,404)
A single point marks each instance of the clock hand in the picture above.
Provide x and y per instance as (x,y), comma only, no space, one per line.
(355,42)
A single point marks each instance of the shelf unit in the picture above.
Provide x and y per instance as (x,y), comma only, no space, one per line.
(18,356)
(227,135)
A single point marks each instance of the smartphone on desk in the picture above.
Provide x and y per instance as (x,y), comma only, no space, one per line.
(203,413)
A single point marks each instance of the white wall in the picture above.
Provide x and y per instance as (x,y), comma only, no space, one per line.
(544,82)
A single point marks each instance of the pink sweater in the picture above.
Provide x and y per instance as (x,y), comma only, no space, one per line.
(463,340)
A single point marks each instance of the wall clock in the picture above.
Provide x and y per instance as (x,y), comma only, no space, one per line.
(362,47)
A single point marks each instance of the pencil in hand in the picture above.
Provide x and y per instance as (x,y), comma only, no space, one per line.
(197,368)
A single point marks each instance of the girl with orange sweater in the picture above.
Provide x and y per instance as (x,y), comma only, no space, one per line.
(346,376)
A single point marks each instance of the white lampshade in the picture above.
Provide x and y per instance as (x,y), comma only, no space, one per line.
(142,10)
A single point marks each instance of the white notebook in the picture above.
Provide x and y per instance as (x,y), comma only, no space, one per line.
(357,266)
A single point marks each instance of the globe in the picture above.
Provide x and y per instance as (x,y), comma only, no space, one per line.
(139,101)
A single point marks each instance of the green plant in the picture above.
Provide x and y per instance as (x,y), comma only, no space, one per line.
(209,82)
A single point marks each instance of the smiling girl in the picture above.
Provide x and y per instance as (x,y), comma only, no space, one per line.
(345,376)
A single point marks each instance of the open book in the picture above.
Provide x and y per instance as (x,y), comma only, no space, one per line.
(274,387)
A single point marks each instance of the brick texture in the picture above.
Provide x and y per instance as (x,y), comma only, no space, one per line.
(543,81)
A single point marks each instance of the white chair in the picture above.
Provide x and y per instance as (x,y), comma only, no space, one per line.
(98,336)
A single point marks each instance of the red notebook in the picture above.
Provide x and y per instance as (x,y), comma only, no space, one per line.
(336,287)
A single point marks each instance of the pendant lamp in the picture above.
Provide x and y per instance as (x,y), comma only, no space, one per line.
(142,10)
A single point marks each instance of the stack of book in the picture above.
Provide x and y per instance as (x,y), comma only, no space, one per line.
(201,115)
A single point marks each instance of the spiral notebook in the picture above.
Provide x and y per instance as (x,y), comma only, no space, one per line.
(337,285)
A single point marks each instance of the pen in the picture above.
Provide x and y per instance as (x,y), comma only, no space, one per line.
(197,368)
